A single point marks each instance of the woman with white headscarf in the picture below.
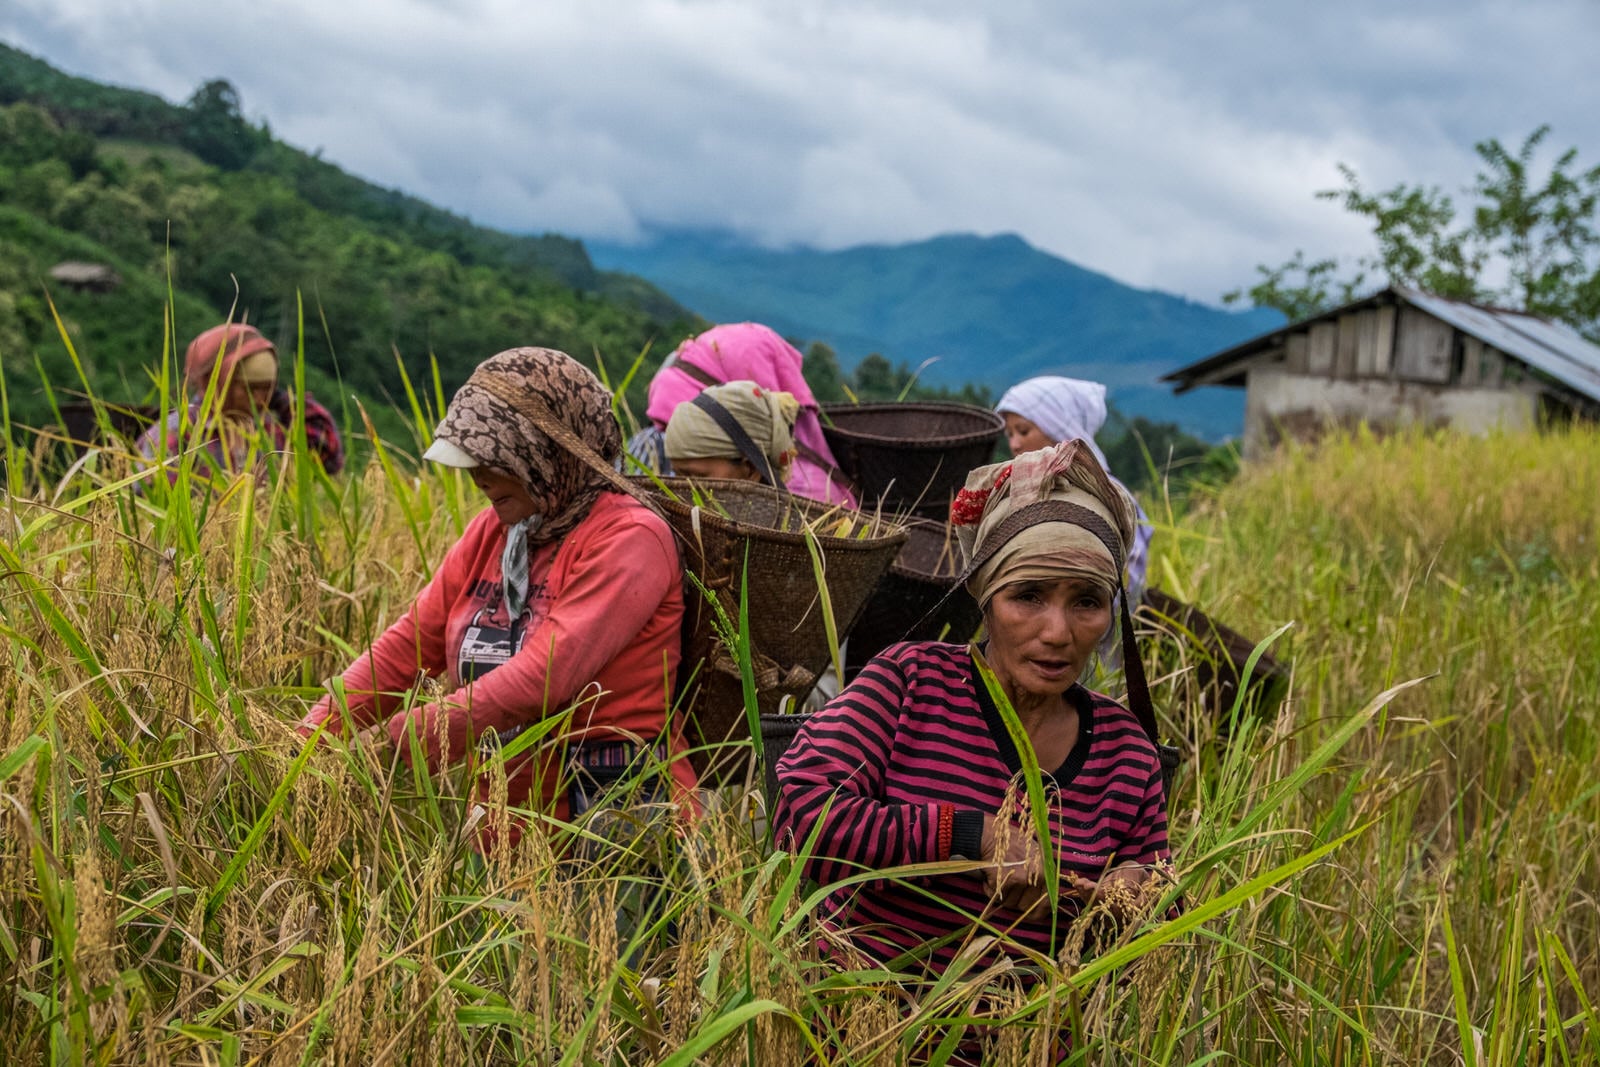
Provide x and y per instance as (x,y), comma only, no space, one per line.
(1040,412)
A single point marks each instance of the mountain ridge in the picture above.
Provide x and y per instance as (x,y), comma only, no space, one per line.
(990,309)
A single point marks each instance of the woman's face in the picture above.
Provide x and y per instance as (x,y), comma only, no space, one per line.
(1024,436)
(247,398)
(508,496)
(738,470)
(1042,633)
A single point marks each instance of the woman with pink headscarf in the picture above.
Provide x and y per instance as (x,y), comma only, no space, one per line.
(743,351)
(236,411)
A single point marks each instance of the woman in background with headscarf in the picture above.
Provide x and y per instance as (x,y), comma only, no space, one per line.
(743,351)
(738,431)
(742,432)
(561,596)
(912,763)
(230,375)
(1042,411)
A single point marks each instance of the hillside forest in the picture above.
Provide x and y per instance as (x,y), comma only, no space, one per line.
(198,208)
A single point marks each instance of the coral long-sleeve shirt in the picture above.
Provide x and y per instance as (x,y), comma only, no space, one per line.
(601,635)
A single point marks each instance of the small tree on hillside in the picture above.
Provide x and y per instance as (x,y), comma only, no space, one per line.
(1539,232)
(822,373)
(216,130)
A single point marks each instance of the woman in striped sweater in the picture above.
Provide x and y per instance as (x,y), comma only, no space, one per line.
(912,763)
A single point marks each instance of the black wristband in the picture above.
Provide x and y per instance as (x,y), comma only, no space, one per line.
(966,835)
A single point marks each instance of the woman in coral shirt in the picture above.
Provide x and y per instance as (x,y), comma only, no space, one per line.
(562,598)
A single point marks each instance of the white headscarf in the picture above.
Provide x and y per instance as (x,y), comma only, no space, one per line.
(1064,408)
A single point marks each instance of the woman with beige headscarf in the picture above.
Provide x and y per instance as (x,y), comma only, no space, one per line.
(1041,411)
(563,598)
(914,763)
(736,430)
(742,352)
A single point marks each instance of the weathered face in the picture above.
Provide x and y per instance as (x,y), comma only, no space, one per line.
(1024,436)
(1042,633)
(738,470)
(508,496)
(247,398)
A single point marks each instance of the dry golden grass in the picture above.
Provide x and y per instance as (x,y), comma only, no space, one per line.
(1410,881)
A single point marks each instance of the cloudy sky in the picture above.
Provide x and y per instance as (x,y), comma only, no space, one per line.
(1172,144)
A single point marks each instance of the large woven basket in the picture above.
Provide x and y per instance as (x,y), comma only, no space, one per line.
(81,426)
(1219,654)
(755,533)
(910,457)
(917,600)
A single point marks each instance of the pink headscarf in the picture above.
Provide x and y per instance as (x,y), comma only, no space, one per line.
(232,342)
(749,351)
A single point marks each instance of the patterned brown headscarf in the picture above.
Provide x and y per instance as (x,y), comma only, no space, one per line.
(489,430)
(1049,549)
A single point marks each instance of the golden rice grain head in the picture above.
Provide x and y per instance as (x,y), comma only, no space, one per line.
(96,944)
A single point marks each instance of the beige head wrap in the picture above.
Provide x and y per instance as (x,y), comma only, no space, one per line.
(258,367)
(767,415)
(1049,549)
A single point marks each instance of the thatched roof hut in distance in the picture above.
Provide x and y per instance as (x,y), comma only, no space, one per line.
(86,277)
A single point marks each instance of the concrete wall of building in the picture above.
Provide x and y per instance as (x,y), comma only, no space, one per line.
(1281,404)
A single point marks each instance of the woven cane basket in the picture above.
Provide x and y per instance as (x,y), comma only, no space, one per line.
(1218,652)
(910,457)
(777,733)
(750,530)
(917,600)
(81,427)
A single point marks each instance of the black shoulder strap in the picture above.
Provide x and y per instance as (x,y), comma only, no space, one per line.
(736,433)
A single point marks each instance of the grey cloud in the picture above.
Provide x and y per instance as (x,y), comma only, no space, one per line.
(1172,144)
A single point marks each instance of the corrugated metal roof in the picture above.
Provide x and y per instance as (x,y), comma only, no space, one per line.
(1550,347)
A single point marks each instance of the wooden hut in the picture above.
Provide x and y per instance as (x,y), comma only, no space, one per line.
(86,277)
(1403,356)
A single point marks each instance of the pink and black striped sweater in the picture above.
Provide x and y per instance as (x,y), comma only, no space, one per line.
(915,742)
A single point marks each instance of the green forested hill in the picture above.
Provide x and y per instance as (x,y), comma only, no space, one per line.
(992,309)
(197,197)
(194,206)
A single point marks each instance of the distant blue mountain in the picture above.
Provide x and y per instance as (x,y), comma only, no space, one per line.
(992,310)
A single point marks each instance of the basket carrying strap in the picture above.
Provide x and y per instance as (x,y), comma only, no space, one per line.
(740,438)
(562,434)
(699,374)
